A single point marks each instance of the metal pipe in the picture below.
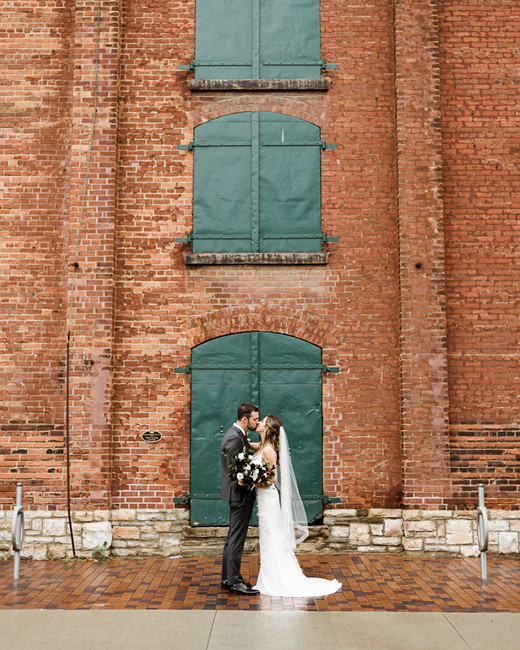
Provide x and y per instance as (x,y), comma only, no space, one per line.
(482,532)
(17,531)
(68,446)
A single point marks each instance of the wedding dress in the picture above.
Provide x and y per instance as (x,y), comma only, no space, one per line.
(280,573)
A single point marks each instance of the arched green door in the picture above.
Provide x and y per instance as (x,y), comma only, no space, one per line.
(281,374)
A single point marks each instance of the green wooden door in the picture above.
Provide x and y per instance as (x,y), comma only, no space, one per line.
(257,185)
(281,374)
(257,39)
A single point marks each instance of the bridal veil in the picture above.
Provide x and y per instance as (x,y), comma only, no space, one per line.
(293,513)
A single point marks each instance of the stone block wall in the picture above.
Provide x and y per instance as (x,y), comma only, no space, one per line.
(129,532)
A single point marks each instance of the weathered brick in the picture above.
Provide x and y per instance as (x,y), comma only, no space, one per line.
(417,303)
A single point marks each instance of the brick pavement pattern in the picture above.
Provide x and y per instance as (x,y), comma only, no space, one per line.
(370,583)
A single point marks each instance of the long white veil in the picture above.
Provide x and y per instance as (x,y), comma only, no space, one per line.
(293,513)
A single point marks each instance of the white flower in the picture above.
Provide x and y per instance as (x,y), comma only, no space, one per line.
(241,456)
(255,474)
(240,476)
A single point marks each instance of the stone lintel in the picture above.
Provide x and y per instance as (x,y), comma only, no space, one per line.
(259,84)
(203,259)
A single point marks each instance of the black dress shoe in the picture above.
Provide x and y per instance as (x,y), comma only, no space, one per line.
(225,584)
(242,588)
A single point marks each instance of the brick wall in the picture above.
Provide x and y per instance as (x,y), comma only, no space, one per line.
(481,152)
(34,156)
(165,307)
(418,304)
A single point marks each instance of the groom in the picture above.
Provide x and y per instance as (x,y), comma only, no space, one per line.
(241,501)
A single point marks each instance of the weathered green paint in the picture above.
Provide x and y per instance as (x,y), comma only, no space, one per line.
(290,39)
(252,39)
(223,39)
(281,374)
(257,185)
(290,192)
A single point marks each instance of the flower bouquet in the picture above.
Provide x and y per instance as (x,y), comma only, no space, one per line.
(245,470)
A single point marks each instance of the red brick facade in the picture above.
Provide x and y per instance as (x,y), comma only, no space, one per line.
(418,304)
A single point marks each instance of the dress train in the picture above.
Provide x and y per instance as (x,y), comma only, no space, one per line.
(280,573)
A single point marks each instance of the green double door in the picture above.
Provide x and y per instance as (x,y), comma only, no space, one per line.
(283,376)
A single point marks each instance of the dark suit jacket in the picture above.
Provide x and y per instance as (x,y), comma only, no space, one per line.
(233,441)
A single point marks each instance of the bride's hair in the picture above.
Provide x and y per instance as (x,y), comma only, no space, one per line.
(272,432)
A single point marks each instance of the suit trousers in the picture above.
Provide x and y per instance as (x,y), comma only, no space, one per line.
(239,518)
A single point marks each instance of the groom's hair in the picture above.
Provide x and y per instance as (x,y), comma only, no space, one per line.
(245,410)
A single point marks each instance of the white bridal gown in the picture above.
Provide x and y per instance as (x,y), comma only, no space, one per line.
(280,573)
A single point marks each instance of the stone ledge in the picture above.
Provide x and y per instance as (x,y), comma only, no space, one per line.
(259,84)
(203,259)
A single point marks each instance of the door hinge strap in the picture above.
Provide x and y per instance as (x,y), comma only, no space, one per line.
(325,369)
(211,64)
(189,147)
(328,66)
(325,238)
(193,64)
(185,240)
(186,369)
(327,499)
(185,499)
(191,237)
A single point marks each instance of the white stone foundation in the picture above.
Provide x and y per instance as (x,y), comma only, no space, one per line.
(124,533)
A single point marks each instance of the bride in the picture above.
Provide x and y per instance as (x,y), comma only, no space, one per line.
(282,522)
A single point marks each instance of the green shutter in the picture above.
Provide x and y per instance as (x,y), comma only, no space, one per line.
(222,185)
(281,374)
(223,39)
(290,39)
(289,186)
(252,39)
(257,185)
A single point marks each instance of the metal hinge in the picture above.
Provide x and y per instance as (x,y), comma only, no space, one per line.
(328,239)
(193,64)
(185,499)
(327,499)
(185,240)
(186,369)
(190,146)
(329,369)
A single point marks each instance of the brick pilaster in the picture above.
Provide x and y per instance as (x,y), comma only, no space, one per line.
(93,296)
(424,388)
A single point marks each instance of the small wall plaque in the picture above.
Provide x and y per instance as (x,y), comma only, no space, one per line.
(151,435)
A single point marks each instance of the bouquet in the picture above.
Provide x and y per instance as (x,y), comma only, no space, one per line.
(243,467)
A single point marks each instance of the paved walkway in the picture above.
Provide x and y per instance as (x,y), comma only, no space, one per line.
(386,602)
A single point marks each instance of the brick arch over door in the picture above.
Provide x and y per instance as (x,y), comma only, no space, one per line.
(308,327)
(286,106)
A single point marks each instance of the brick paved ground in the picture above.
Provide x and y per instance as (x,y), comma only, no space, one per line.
(370,583)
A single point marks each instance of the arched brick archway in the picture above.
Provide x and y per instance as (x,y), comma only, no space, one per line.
(287,106)
(242,319)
